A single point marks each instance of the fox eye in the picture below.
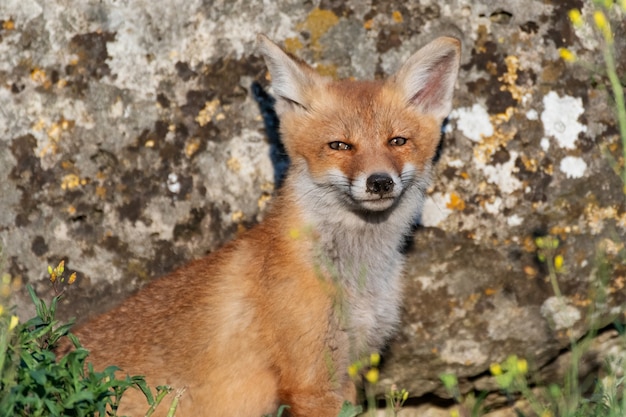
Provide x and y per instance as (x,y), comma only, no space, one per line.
(397,141)
(339,146)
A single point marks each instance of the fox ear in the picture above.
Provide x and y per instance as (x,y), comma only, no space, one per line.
(427,78)
(291,78)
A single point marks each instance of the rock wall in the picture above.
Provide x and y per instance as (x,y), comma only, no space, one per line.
(130,143)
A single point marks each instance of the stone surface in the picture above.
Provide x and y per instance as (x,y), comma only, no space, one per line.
(130,143)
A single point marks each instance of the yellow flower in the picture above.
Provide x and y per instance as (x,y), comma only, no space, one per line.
(372,376)
(374,359)
(72,278)
(13,323)
(522,366)
(353,370)
(61,267)
(454,413)
(495,369)
(575,17)
(558,263)
(567,55)
(603,24)
(405,395)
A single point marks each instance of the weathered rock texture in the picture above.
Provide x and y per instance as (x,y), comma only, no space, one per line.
(129,144)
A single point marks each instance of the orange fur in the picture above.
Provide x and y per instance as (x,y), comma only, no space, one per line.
(277,316)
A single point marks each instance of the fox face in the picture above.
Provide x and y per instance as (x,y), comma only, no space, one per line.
(363,146)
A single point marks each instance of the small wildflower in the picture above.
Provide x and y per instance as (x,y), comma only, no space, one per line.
(353,370)
(575,17)
(372,375)
(558,263)
(567,55)
(522,366)
(603,24)
(50,271)
(539,242)
(495,369)
(455,413)
(72,278)
(53,277)
(374,359)
(61,267)
(13,323)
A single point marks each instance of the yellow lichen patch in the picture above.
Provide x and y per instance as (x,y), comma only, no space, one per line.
(191,147)
(237,216)
(101,191)
(530,164)
(530,271)
(456,202)
(397,16)
(509,78)
(233,164)
(40,77)
(317,23)
(503,134)
(490,291)
(263,200)
(327,70)
(368,24)
(267,187)
(206,114)
(67,165)
(596,216)
(8,25)
(580,300)
(292,45)
(70,181)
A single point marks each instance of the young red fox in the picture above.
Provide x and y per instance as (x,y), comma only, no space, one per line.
(277,315)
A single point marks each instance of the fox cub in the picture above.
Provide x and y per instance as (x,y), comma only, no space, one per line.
(277,315)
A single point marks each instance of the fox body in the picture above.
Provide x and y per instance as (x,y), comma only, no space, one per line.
(277,315)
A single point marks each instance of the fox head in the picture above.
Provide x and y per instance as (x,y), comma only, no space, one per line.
(363,145)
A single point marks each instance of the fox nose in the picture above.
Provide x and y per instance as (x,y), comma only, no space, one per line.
(379,184)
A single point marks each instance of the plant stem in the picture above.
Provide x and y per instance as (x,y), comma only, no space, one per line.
(618,92)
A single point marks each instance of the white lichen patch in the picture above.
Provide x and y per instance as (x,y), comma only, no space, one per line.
(514,220)
(473,122)
(559,313)
(532,114)
(502,175)
(545,144)
(172,183)
(435,209)
(573,166)
(560,118)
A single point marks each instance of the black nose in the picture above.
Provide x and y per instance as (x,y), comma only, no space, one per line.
(379,184)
